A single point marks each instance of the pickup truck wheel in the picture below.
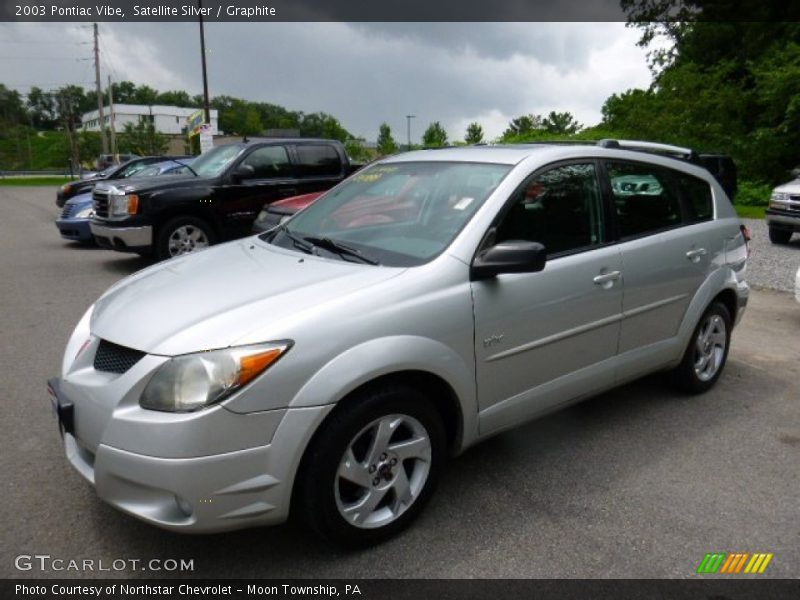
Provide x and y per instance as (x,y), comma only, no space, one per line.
(707,352)
(183,235)
(779,236)
(372,467)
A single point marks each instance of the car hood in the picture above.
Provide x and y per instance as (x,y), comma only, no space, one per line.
(155,183)
(84,198)
(792,187)
(216,297)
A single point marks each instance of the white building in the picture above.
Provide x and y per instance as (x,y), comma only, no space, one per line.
(167,119)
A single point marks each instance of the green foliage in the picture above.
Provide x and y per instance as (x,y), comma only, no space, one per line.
(560,123)
(474,133)
(143,139)
(724,85)
(386,143)
(435,136)
(33,181)
(753,193)
(356,151)
(523,126)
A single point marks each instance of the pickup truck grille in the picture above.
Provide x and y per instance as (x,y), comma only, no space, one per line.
(100,202)
(113,358)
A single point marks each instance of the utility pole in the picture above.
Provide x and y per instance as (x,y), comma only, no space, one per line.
(99,92)
(408,129)
(203,59)
(111,118)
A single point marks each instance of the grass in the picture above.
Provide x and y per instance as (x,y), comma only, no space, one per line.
(750,212)
(31,181)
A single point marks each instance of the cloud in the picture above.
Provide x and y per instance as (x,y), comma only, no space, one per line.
(364,73)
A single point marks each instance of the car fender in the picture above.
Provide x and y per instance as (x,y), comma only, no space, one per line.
(384,356)
(719,280)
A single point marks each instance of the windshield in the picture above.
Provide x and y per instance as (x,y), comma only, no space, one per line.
(396,214)
(213,162)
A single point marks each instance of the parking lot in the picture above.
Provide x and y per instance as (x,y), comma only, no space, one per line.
(638,482)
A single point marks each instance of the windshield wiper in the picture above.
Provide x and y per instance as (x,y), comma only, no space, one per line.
(299,242)
(177,162)
(327,243)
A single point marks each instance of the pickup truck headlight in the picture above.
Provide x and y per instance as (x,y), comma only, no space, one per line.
(194,381)
(120,205)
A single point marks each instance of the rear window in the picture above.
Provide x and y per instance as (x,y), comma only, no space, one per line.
(697,194)
(644,200)
(318,160)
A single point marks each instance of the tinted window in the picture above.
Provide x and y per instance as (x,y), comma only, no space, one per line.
(645,201)
(698,198)
(269,162)
(560,209)
(318,160)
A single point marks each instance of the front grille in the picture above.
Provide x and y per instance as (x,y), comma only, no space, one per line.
(100,203)
(795,197)
(113,358)
(68,210)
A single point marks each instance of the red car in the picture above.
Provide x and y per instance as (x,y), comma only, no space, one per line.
(276,213)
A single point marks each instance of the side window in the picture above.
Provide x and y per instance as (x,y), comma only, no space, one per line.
(645,201)
(559,208)
(318,160)
(697,194)
(269,162)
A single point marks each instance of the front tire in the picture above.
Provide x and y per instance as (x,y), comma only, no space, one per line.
(373,466)
(707,353)
(183,235)
(779,236)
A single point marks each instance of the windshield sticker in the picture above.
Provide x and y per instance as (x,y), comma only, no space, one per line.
(463,203)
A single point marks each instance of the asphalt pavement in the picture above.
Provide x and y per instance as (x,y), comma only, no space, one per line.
(640,482)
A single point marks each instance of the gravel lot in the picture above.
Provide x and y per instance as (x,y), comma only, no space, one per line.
(639,482)
(771,266)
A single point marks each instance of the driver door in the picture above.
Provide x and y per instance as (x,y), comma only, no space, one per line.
(543,339)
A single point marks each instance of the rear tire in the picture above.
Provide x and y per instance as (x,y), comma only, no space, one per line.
(372,466)
(707,352)
(779,236)
(183,235)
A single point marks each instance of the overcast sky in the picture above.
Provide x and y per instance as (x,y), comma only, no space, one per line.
(362,73)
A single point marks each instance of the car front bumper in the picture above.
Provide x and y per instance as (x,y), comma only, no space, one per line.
(783,219)
(208,471)
(124,239)
(77,230)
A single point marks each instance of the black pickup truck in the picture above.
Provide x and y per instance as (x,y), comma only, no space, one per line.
(171,215)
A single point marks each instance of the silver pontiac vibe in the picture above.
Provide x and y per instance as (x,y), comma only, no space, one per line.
(330,365)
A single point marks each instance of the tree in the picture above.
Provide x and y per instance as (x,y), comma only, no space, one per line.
(560,123)
(474,133)
(386,143)
(42,108)
(435,136)
(355,149)
(252,123)
(143,139)
(12,110)
(523,125)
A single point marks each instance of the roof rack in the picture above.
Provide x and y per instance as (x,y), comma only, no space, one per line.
(652,147)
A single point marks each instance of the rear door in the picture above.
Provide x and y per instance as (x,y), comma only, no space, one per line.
(546,338)
(665,249)
(319,166)
(274,178)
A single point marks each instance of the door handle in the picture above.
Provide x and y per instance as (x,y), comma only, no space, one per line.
(694,255)
(607,279)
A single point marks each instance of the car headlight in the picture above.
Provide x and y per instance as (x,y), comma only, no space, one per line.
(284,218)
(261,216)
(778,199)
(84,214)
(122,205)
(193,381)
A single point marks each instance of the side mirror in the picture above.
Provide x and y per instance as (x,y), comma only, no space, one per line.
(243,172)
(509,257)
